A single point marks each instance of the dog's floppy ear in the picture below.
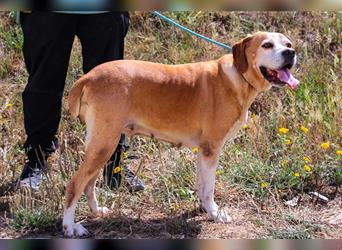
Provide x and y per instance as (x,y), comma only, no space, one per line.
(240,59)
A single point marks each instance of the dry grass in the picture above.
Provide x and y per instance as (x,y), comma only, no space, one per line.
(168,208)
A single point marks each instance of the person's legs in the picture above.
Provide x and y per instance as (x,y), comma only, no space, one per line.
(102,39)
(48,39)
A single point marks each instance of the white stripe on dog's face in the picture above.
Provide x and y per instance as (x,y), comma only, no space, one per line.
(270,51)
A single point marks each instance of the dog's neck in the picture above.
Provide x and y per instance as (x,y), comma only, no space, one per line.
(249,93)
(246,92)
(251,90)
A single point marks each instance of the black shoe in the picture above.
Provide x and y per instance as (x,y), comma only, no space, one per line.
(34,168)
(133,182)
(31,176)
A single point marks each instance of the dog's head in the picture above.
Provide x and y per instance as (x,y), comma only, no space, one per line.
(265,60)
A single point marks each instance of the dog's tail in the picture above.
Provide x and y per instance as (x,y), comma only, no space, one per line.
(75,96)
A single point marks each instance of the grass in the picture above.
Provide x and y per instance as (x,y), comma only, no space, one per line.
(259,170)
(297,229)
(291,233)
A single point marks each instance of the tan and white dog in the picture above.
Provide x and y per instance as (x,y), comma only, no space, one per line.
(196,105)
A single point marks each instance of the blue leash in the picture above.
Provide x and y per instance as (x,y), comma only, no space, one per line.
(191,32)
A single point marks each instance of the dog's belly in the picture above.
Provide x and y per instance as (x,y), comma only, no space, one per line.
(176,138)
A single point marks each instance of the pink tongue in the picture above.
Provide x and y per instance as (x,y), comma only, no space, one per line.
(286,76)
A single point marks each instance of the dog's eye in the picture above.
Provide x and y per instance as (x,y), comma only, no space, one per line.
(267,45)
(289,45)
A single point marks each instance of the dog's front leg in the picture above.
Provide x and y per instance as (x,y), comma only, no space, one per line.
(207,164)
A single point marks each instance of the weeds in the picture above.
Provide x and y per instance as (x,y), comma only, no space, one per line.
(291,233)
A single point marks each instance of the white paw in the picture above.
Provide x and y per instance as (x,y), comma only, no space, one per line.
(76,230)
(220,216)
(103,211)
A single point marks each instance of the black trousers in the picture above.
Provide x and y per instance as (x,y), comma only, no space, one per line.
(48,40)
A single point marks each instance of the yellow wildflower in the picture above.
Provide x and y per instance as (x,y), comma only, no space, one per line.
(124,155)
(195,150)
(117,170)
(307,159)
(287,142)
(339,152)
(307,168)
(245,126)
(304,129)
(219,172)
(284,163)
(325,145)
(296,174)
(254,117)
(8,105)
(264,184)
(283,130)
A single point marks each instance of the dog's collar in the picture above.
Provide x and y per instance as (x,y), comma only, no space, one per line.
(248,81)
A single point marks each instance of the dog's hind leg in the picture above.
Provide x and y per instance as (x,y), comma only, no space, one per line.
(91,197)
(207,162)
(100,145)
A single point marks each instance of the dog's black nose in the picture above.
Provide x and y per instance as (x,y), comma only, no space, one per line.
(288,53)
